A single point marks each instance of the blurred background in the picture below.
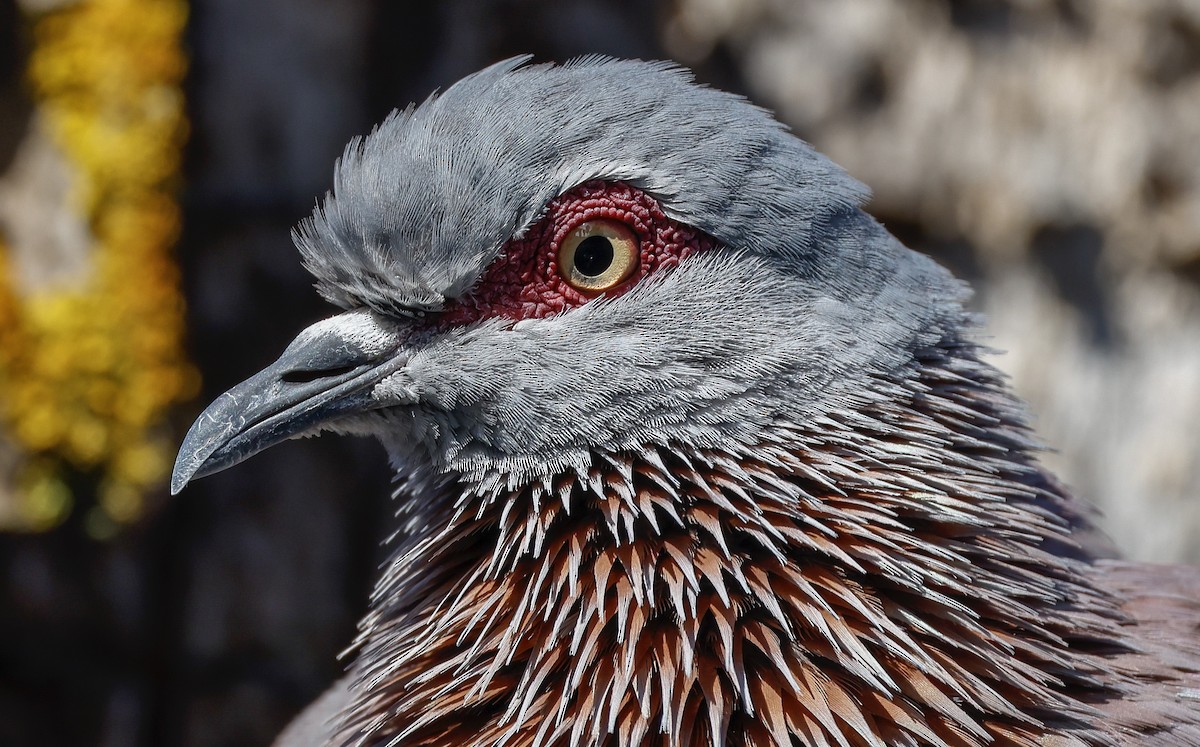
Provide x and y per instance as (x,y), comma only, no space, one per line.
(155,153)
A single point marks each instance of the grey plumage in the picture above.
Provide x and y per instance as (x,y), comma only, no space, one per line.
(424,203)
(772,490)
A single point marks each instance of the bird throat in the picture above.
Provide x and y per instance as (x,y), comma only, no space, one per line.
(896,573)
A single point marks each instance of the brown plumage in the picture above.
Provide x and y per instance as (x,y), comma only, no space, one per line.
(751,484)
(785,590)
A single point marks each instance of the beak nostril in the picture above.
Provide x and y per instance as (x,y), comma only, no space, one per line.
(303,376)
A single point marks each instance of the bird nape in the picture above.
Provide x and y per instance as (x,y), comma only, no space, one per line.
(690,450)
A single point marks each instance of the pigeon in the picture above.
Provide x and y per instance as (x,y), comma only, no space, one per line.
(689,450)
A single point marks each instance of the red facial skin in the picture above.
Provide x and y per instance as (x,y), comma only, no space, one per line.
(524,283)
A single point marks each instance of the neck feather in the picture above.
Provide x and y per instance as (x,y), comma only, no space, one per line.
(900,572)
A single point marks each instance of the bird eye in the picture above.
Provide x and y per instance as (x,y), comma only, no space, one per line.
(598,255)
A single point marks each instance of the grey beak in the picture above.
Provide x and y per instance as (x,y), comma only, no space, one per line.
(326,373)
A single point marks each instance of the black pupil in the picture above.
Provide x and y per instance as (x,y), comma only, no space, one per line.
(593,256)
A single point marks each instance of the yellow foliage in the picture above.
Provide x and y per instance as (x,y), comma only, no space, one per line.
(47,499)
(88,374)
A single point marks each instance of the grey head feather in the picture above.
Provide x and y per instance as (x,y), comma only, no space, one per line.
(805,297)
(708,355)
(425,202)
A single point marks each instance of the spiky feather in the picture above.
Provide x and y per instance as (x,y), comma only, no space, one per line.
(881,577)
(771,495)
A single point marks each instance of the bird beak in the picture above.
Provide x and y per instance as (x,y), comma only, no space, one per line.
(328,372)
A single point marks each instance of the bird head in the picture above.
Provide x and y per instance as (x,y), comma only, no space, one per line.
(684,436)
(546,262)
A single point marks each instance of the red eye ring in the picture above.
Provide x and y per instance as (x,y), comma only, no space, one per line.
(551,268)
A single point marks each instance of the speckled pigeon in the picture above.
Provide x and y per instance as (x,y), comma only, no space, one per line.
(690,450)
